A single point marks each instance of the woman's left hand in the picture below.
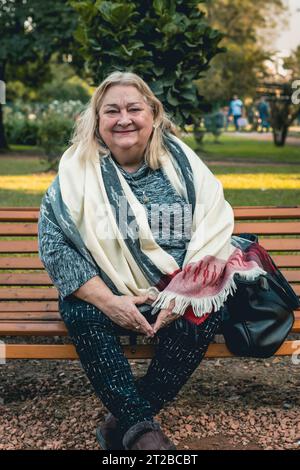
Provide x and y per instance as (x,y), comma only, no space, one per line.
(165,317)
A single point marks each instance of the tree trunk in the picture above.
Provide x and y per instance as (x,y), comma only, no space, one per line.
(279,136)
(3,141)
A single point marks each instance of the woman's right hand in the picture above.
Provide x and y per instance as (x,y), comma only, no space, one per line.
(122,310)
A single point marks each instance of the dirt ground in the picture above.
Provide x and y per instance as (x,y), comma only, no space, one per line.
(226,404)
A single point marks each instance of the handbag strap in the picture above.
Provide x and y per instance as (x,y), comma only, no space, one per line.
(268,281)
(290,298)
(277,279)
(285,286)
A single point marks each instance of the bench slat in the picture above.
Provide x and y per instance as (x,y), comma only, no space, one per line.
(21,263)
(67,351)
(28,294)
(21,208)
(29,316)
(280,244)
(24,313)
(31,246)
(27,328)
(292,275)
(287,261)
(51,325)
(36,208)
(18,229)
(257,207)
(263,228)
(30,214)
(43,279)
(28,279)
(18,246)
(19,216)
(20,306)
(264,213)
(51,293)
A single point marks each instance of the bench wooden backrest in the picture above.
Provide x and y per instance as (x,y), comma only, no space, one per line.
(29,301)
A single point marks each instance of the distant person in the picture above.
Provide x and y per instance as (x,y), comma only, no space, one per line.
(264,114)
(236,107)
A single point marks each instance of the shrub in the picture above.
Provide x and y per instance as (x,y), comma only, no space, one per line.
(65,92)
(48,125)
(54,135)
(214,123)
(20,130)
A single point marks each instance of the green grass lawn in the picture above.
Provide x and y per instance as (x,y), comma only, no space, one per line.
(256,197)
(255,186)
(23,181)
(243,149)
(21,166)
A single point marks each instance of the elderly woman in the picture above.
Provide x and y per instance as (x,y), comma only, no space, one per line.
(137,237)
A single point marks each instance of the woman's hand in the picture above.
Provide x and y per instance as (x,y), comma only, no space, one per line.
(122,310)
(165,317)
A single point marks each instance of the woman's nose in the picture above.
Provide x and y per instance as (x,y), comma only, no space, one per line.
(124,119)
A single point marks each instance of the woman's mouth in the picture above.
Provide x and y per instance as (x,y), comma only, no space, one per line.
(125,132)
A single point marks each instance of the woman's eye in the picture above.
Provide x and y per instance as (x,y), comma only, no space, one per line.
(115,111)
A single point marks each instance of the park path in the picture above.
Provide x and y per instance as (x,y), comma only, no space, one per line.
(265,137)
(249,163)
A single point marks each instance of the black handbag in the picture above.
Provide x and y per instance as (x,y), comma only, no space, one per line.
(259,316)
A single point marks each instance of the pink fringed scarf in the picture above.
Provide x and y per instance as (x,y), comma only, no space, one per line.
(207,283)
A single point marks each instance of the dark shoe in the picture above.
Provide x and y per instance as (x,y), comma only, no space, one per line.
(147,435)
(108,434)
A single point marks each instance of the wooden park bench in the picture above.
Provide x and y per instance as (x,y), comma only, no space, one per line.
(28,300)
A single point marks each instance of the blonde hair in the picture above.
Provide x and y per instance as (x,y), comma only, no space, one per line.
(86,134)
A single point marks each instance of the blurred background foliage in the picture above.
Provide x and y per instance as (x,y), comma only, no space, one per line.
(195,55)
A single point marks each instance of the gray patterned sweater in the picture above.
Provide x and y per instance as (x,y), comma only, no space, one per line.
(69,270)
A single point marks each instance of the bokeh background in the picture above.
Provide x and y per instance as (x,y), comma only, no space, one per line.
(196,56)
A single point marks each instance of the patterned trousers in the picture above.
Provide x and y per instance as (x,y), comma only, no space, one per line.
(97,341)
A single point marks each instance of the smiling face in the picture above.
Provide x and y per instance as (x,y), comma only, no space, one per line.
(125,121)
